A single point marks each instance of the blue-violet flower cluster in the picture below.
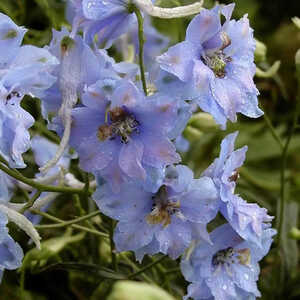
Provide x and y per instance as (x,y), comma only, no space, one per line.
(128,137)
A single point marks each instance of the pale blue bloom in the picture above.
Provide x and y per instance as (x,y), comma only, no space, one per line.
(219,60)
(23,70)
(164,221)
(11,254)
(227,269)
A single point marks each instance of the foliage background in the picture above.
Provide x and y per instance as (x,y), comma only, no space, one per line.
(85,277)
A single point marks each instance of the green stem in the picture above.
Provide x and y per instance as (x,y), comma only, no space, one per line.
(67,223)
(136,268)
(273,132)
(41,187)
(283,167)
(149,266)
(141,45)
(86,188)
(79,227)
(41,128)
(30,202)
(112,246)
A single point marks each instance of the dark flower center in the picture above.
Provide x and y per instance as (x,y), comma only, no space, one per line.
(230,256)
(122,124)
(12,95)
(217,60)
(223,256)
(163,208)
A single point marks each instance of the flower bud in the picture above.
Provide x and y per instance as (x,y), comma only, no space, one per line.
(294,233)
(296,21)
(260,52)
(192,134)
(297,62)
(132,290)
(204,122)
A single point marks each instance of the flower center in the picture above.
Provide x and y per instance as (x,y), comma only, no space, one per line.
(122,124)
(230,256)
(163,208)
(234,176)
(217,61)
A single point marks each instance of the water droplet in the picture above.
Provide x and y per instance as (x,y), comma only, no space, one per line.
(246,276)
(224,287)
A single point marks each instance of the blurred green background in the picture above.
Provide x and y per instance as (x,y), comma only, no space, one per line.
(259,178)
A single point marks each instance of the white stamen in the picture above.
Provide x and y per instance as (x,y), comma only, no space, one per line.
(23,223)
(168,13)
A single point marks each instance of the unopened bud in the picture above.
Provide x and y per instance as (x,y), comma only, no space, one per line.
(137,290)
(294,233)
(192,134)
(204,122)
(260,52)
(296,21)
(297,62)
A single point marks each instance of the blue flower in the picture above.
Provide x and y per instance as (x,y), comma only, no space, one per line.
(226,269)
(105,19)
(219,60)
(248,219)
(23,70)
(224,169)
(11,254)
(123,133)
(164,221)
(6,187)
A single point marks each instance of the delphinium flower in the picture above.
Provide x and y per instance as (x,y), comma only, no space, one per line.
(219,60)
(227,268)
(107,20)
(248,219)
(163,221)
(225,169)
(11,254)
(79,66)
(122,135)
(6,187)
(88,65)
(23,70)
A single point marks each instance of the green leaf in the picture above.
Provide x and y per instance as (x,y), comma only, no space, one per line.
(50,248)
(96,270)
(289,245)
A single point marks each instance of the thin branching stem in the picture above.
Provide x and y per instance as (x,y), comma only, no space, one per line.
(76,226)
(30,202)
(284,157)
(141,45)
(41,187)
(149,266)
(273,132)
(67,223)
